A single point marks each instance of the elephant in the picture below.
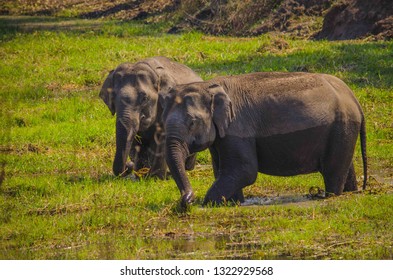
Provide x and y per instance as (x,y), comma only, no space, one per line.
(131,92)
(276,123)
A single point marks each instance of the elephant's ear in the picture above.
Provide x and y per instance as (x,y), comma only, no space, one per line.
(222,108)
(107,94)
(166,100)
(165,82)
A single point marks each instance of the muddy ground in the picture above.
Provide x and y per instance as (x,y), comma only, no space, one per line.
(318,19)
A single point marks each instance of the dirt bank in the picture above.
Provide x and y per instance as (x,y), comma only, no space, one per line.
(357,19)
(319,19)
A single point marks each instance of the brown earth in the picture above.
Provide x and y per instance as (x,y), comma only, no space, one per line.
(318,19)
(358,19)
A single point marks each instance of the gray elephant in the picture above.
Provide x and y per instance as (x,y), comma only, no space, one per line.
(131,91)
(281,124)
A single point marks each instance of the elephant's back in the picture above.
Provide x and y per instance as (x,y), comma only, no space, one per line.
(276,103)
(182,74)
(347,106)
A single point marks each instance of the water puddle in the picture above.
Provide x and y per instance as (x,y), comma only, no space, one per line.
(277,200)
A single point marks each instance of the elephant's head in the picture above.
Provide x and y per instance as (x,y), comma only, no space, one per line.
(131,92)
(194,116)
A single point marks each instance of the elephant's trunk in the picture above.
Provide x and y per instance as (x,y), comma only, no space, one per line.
(176,154)
(125,133)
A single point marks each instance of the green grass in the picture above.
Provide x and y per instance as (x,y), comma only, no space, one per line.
(59,199)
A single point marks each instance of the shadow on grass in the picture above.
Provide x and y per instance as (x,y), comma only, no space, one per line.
(364,64)
(10,26)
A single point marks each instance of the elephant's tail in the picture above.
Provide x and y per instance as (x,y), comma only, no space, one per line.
(363,149)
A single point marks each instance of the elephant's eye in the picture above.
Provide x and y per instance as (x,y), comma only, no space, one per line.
(143,98)
(192,124)
(127,99)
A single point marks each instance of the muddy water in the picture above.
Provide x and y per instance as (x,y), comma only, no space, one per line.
(276,200)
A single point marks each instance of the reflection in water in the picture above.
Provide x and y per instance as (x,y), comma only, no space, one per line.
(187,246)
(223,246)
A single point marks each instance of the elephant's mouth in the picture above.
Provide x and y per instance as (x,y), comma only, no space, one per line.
(194,146)
(197,145)
(144,124)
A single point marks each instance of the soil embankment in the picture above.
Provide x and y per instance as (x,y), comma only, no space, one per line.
(317,19)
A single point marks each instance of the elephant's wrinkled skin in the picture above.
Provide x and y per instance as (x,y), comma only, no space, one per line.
(131,92)
(280,124)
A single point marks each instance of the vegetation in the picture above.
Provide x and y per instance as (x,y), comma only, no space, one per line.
(59,199)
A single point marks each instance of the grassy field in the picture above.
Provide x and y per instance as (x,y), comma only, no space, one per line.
(59,199)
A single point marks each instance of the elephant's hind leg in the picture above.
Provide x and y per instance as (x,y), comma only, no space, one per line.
(337,168)
(351,182)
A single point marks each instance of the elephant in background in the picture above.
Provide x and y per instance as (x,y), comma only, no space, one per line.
(281,124)
(131,92)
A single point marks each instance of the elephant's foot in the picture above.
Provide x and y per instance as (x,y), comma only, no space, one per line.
(215,197)
(238,197)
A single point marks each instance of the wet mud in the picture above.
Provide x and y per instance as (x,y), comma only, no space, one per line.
(278,200)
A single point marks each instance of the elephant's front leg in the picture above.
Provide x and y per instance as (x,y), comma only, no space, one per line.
(139,157)
(227,189)
(238,168)
(158,166)
(215,161)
